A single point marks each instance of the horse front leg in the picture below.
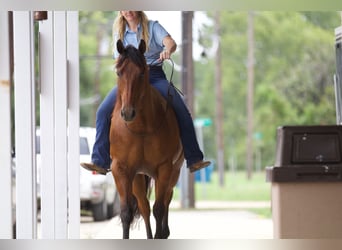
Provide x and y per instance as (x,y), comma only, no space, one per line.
(140,191)
(165,226)
(168,197)
(158,212)
(128,202)
(127,215)
(160,209)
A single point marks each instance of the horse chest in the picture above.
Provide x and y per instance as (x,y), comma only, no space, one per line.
(139,150)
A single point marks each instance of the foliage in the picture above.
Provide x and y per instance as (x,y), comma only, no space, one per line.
(294,68)
(96,64)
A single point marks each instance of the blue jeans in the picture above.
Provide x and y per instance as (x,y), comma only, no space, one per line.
(192,151)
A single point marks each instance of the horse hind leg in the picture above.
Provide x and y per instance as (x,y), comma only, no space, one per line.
(140,190)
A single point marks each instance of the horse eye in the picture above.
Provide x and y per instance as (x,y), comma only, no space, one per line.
(119,74)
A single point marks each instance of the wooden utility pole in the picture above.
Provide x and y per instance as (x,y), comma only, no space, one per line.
(187,88)
(250,94)
(187,62)
(219,103)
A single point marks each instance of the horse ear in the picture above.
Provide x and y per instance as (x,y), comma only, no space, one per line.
(119,46)
(142,46)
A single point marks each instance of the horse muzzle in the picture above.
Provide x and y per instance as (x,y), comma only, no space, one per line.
(128,114)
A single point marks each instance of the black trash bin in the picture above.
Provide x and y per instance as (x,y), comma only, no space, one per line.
(306,182)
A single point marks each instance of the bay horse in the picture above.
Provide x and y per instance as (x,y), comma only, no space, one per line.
(144,143)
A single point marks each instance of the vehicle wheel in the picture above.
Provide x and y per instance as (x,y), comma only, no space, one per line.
(114,208)
(110,211)
(100,210)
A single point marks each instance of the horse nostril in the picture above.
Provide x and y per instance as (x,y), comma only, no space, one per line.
(128,114)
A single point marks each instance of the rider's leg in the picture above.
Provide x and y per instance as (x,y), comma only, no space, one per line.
(192,151)
(100,155)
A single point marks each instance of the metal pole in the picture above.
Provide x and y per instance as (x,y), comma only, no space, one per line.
(60,125)
(59,69)
(73,126)
(25,140)
(6,215)
(47,140)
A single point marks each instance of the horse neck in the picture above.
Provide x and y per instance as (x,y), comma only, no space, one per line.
(156,104)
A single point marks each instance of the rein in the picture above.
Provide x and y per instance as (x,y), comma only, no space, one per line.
(168,103)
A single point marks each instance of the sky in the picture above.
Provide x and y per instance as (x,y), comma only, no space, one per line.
(172,22)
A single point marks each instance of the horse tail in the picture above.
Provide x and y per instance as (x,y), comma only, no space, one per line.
(148,182)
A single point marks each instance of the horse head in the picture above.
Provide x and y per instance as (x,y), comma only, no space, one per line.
(132,75)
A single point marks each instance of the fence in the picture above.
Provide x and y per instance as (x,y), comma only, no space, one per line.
(58,87)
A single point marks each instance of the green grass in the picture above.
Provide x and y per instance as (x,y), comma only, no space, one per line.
(237,188)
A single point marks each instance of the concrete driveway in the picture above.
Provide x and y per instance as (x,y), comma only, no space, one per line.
(208,221)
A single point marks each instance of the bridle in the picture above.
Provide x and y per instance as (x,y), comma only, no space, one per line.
(168,103)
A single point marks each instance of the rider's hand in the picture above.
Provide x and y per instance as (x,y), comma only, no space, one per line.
(165,54)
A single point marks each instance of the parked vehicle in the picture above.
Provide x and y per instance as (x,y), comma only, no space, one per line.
(97,192)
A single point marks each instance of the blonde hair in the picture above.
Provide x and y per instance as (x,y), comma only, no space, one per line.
(119,27)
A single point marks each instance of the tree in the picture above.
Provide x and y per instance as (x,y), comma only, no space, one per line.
(293,75)
(96,64)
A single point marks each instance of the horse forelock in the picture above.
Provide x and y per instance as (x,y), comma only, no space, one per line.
(134,55)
